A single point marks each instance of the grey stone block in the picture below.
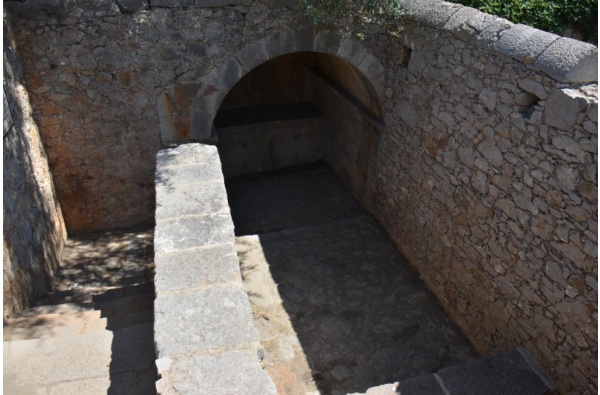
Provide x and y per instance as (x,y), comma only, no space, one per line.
(563,107)
(352,51)
(191,199)
(192,232)
(187,154)
(328,42)
(434,13)
(280,44)
(305,40)
(230,72)
(524,43)
(252,55)
(420,385)
(202,321)
(174,177)
(569,60)
(193,268)
(231,372)
(492,32)
(467,22)
(503,374)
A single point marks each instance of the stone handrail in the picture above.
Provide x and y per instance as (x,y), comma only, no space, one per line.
(203,332)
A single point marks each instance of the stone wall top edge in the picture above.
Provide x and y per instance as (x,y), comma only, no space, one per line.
(563,59)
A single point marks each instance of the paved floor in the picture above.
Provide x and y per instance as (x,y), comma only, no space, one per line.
(337,308)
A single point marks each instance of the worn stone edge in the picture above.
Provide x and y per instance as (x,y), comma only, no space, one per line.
(579,67)
(163,364)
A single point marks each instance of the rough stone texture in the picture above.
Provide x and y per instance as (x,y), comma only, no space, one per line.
(483,188)
(33,228)
(203,331)
(478,230)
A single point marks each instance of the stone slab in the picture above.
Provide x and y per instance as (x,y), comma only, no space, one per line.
(187,154)
(191,199)
(171,177)
(232,372)
(192,232)
(39,362)
(202,321)
(434,13)
(569,60)
(524,43)
(506,373)
(194,268)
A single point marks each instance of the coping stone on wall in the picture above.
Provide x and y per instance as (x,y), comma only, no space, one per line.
(203,331)
(564,59)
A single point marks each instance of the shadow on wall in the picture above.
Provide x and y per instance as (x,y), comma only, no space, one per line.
(33,228)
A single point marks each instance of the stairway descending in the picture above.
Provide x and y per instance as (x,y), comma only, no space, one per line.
(513,372)
(94,333)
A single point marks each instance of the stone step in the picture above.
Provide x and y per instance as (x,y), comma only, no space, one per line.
(56,325)
(92,362)
(513,372)
(94,294)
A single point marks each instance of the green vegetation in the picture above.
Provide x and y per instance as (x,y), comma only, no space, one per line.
(555,16)
(382,12)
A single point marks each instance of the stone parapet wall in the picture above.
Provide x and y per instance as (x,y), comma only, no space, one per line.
(205,339)
(33,228)
(487,182)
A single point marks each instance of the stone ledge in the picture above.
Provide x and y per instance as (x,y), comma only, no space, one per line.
(564,59)
(203,329)
(231,372)
(182,270)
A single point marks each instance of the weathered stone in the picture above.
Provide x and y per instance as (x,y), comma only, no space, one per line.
(568,177)
(533,87)
(523,43)
(194,269)
(202,321)
(191,199)
(563,108)
(225,373)
(192,232)
(489,98)
(170,178)
(491,152)
(569,60)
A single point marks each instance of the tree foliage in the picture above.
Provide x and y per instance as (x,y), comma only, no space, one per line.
(555,16)
(382,12)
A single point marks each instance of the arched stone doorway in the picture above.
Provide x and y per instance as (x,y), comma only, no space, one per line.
(304,107)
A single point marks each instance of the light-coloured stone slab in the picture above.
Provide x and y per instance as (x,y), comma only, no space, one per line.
(187,154)
(171,177)
(196,268)
(191,199)
(202,321)
(232,372)
(192,232)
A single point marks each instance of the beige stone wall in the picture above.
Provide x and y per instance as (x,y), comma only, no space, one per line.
(487,182)
(33,228)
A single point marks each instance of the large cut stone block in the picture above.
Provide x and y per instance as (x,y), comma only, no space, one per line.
(202,321)
(563,108)
(191,199)
(192,232)
(169,177)
(186,155)
(208,266)
(569,60)
(232,372)
(524,43)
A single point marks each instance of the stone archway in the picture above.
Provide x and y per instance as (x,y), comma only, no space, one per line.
(212,89)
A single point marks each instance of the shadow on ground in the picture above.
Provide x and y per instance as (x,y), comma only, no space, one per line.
(337,307)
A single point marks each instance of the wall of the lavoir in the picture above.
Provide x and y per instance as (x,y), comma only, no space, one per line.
(33,228)
(484,173)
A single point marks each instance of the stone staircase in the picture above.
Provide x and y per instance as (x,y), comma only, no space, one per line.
(89,337)
(513,372)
